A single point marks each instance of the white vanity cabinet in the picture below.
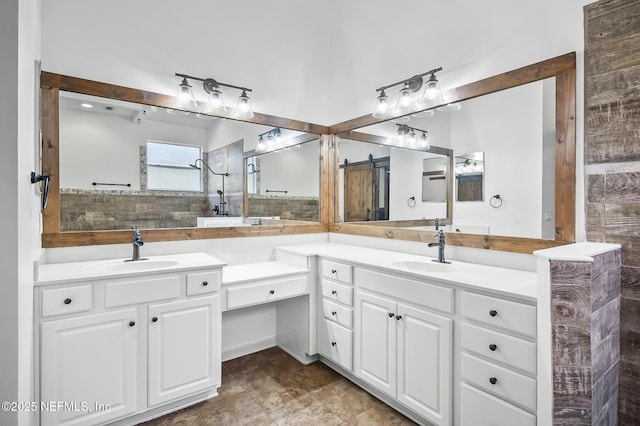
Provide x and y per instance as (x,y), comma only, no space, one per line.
(405,348)
(87,361)
(498,362)
(335,325)
(126,348)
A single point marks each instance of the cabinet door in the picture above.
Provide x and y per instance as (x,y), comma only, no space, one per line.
(184,348)
(424,363)
(88,364)
(375,348)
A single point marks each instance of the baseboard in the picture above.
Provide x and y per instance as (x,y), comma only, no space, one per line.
(248,348)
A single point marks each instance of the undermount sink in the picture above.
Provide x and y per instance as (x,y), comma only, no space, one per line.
(423,266)
(138,265)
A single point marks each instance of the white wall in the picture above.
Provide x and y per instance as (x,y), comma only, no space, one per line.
(296,171)
(101,148)
(507,126)
(19,227)
(406,182)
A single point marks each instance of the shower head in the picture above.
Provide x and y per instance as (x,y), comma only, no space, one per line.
(219,192)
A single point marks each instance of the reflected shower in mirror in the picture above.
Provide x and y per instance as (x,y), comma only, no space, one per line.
(123,164)
(283,184)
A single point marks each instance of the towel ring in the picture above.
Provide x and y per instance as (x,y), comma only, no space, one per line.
(496,201)
(411,202)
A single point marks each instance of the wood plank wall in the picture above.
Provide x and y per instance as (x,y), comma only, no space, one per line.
(612,166)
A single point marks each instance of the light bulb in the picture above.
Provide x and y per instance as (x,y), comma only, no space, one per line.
(411,139)
(405,100)
(215,104)
(261,146)
(381,109)
(184,97)
(423,143)
(432,89)
(243,110)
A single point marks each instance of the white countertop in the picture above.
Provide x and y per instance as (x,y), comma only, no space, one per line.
(514,282)
(234,274)
(579,252)
(56,273)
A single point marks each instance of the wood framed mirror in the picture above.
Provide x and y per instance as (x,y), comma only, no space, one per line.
(61,230)
(563,70)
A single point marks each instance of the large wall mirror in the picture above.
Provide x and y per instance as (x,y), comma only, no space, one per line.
(511,139)
(175,174)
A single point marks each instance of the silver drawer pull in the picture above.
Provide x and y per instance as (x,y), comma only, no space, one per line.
(493,312)
(493,347)
(67,301)
(205,283)
(493,380)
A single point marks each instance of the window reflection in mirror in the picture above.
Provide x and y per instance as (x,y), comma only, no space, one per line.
(109,179)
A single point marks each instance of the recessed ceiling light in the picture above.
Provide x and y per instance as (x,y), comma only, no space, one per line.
(86,105)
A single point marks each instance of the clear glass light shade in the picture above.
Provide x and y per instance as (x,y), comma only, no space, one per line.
(184,98)
(381,109)
(215,104)
(243,109)
(423,142)
(432,91)
(261,147)
(405,101)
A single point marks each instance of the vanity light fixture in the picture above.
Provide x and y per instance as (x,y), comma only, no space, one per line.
(410,95)
(271,140)
(406,137)
(215,103)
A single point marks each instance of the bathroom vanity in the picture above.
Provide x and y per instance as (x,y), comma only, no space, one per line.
(118,339)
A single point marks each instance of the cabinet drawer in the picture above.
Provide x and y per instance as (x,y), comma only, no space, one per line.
(500,347)
(337,343)
(241,295)
(500,381)
(337,271)
(338,292)
(420,292)
(203,282)
(67,300)
(142,290)
(511,316)
(482,409)
(338,313)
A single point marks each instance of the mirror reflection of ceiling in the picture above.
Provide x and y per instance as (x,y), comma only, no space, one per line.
(316,73)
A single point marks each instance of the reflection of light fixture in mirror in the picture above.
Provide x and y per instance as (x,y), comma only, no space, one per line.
(271,140)
(407,100)
(215,103)
(206,117)
(454,106)
(184,97)
(406,137)
(86,105)
(243,109)
(425,113)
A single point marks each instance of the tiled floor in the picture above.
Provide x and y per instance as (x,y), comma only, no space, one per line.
(272,388)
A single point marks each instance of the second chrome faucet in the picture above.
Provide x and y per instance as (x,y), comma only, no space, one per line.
(440,245)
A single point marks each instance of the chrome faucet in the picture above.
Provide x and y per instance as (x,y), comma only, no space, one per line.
(440,245)
(137,243)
